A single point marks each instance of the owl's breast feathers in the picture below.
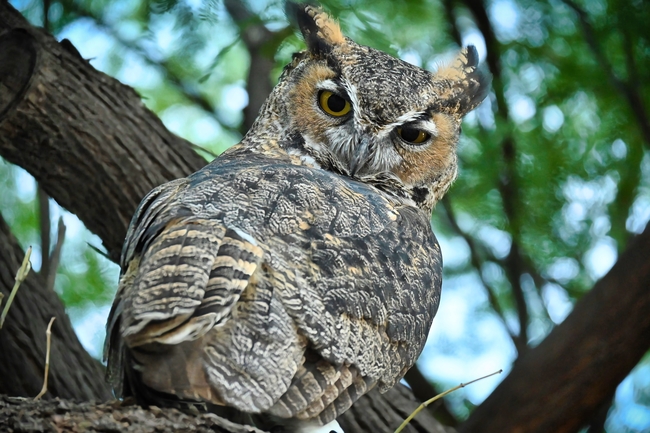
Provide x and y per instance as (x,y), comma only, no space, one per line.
(272,288)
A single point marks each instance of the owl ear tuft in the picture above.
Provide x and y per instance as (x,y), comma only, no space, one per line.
(321,32)
(468,84)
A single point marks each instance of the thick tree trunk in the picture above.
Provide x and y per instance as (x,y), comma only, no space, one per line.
(558,386)
(97,150)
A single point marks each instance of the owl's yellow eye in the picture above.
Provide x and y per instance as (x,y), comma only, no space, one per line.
(333,104)
(413,135)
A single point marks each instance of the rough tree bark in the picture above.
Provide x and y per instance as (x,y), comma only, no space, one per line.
(78,127)
(97,151)
(56,416)
(557,386)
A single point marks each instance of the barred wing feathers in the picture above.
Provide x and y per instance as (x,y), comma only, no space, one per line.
(276,288)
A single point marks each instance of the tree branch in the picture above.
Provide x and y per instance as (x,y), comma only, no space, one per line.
(627,89)
(508,187)
(476,262)
(257,39)
(56,255)
(558,385)
(54,416)
(49,99)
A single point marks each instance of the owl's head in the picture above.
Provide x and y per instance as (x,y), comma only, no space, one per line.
(364,114)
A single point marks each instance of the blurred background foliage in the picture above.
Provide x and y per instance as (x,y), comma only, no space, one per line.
(554,165)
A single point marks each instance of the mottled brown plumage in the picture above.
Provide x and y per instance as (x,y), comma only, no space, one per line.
(298,270)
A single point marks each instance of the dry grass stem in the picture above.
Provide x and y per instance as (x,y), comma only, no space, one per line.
(438,397)
(20,277)
(48,333)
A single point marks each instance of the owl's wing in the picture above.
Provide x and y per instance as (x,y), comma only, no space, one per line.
(181,276)
(274,289)
(367,295)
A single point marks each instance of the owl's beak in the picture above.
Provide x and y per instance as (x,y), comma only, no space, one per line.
(361,157)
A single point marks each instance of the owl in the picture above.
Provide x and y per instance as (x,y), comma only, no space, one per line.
(298,270)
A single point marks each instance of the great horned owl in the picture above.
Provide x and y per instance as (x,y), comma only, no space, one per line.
(298,270)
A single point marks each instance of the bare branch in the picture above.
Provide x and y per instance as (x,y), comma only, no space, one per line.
(383,413)
(439,396)
(477,262)
(56,256)
(44,222)
(508,187)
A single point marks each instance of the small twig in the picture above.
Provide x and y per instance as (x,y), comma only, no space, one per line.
(55,257)
(20,277)
(48,334)
(44,212)
(200,149)
(98,251)
(451,19)
(437,397)
(46,15)
(423,389)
